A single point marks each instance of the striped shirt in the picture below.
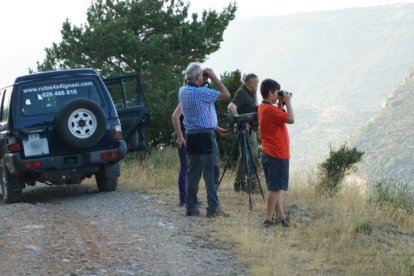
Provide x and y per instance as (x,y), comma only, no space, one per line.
(197,104)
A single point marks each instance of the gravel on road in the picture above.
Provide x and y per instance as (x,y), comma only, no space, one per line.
(75,230)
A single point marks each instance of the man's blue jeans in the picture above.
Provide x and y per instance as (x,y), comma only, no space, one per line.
(202,159)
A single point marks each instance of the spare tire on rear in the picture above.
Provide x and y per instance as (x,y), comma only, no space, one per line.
(80,123)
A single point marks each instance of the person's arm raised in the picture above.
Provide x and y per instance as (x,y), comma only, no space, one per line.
(289,110)
(224,93)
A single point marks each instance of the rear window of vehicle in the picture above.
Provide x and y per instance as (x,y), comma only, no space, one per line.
(50,97)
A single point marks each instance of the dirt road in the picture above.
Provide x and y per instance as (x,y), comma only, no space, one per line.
(75,230)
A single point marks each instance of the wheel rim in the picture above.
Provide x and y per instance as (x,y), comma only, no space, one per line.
(82,123)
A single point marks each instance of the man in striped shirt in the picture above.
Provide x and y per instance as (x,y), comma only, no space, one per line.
(200,121)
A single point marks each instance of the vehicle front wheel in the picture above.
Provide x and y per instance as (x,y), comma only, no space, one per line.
(107,177)
(10,186)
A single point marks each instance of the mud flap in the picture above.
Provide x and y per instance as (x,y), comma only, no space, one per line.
(112,171)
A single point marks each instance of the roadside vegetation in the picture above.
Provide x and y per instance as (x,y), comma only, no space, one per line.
(362,229)
(154,39)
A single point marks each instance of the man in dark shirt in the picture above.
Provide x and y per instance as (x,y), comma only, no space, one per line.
(245,101)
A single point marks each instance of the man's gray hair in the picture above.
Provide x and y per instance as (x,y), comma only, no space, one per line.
(192,71)
(250,77)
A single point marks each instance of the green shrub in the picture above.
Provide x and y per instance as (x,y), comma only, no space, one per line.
(394,193)
(364,226)
(339,164)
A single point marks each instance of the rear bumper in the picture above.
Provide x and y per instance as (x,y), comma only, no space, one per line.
(82,163)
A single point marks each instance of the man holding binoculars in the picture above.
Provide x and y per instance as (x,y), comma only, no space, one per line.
(196,102)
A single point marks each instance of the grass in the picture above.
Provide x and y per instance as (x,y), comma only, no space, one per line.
(393,193)
(364,226)
(344,234)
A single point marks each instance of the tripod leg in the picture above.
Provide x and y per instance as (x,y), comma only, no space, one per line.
(245,153)
(229,158)
(255,170)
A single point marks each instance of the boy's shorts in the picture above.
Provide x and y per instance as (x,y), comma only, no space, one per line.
(276,173)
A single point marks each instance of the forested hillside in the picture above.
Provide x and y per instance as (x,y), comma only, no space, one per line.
(388,138)
(340,65)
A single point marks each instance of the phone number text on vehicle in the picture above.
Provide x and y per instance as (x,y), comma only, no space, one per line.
(59,93)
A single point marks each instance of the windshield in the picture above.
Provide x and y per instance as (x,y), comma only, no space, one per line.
(50,97)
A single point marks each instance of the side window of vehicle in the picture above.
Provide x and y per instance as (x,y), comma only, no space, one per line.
(115,90)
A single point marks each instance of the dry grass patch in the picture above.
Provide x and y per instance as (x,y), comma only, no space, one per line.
(156,172)
(343,234)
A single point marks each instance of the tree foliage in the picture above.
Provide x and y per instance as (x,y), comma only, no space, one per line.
(339,163)
(232,81)
(155,39)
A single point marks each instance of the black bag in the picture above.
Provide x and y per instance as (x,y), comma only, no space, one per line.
(199,144)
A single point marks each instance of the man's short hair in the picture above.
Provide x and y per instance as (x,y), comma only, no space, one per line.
(192,71)
(268,85)
(250,77)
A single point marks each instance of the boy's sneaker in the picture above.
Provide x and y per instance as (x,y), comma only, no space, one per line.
(268,223)
(285,222)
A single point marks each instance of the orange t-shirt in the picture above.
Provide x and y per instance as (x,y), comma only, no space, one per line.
(273,132)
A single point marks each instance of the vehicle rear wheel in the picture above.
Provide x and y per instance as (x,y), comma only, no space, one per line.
(10,186)
(107,177)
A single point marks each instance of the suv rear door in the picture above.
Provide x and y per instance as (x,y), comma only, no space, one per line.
(133,111)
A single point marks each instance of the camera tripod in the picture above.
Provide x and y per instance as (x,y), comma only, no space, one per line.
(249,167)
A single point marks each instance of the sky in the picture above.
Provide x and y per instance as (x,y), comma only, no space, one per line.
(27,26)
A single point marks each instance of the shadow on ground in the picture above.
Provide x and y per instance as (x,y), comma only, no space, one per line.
(42,193)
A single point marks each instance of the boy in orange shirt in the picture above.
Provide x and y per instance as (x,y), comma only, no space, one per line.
(275,147)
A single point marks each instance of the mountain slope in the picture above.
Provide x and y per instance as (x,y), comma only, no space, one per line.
(388,138)
(340,65)
(350,57)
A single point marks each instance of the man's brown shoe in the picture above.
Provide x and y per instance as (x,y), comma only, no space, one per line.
(218,213)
